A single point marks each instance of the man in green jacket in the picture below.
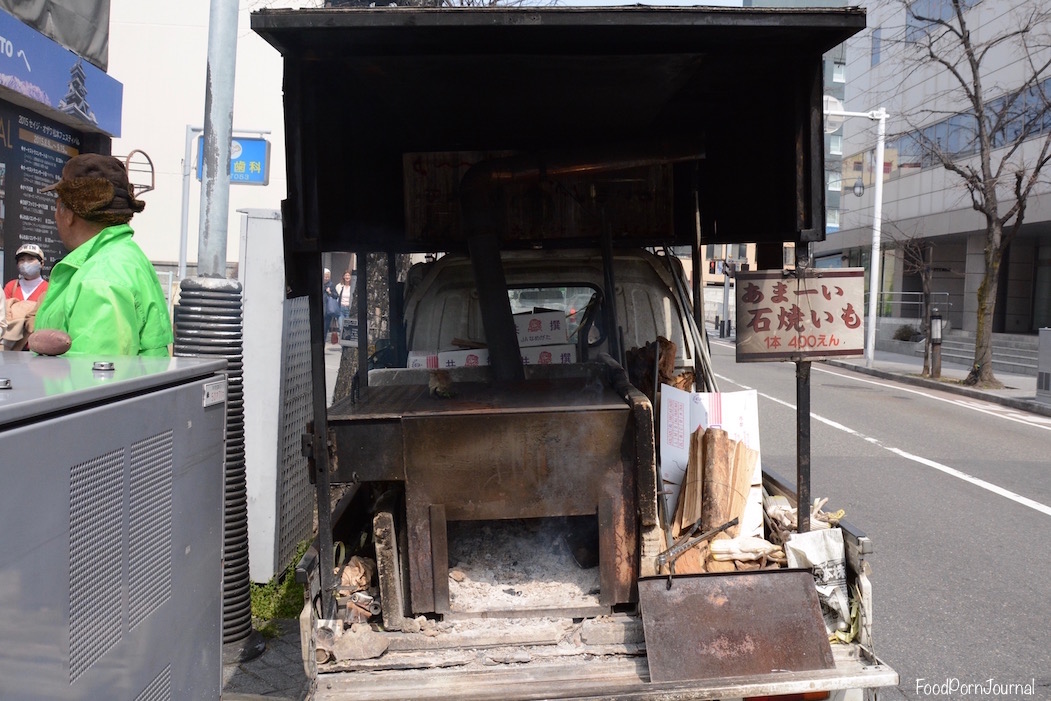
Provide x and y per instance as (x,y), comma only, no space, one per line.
(105,293)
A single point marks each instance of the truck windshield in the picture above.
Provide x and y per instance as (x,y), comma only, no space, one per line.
(572,301)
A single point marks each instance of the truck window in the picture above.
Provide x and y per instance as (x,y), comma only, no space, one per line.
(572,301)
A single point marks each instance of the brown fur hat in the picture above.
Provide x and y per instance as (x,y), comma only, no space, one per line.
(97,189)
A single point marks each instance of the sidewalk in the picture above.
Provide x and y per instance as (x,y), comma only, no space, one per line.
(278,674)
(275,675)
(1019,391)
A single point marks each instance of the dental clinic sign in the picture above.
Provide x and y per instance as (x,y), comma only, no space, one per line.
(249,160)
(800,315)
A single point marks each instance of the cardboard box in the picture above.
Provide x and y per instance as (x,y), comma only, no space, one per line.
(549,355)
(423,359)
(540,329)
(463,358)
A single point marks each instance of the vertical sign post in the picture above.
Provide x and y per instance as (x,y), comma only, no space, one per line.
(800,315)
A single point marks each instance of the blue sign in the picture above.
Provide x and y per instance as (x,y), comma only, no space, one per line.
(48,73)
(249,161)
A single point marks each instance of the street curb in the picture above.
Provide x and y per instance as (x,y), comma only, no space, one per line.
(1030,405)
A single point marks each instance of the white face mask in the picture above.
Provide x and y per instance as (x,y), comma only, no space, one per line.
(29,270)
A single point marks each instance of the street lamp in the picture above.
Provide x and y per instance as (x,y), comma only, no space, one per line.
(879,116)
(936,344)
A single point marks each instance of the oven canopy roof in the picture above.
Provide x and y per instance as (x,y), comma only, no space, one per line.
(585,121)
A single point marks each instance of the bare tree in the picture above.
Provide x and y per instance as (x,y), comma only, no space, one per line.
(996,170)
(916,260)
(917,254)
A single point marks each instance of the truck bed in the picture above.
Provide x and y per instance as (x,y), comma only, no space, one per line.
(493,658)
(595,658)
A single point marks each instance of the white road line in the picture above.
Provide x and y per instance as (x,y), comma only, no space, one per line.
(953,472)
(1035,421)
(978,405)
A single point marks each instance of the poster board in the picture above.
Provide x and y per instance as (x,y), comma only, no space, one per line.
(800,314)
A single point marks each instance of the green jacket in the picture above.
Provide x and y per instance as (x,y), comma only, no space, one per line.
(105,294)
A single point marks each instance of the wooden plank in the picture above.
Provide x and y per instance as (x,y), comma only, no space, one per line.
(624,677)
(574,611)
(421,568)
(476,636)
(440,557)
(388,571)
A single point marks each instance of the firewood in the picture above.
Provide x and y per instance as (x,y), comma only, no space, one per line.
(717,451)
(691,493)
(728,469)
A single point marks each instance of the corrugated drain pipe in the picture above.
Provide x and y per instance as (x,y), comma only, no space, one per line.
(208,324)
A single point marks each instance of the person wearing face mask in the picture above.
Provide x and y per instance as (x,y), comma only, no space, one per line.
(30,285)
(22,296)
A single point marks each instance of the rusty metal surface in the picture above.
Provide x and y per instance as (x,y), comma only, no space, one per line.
(368,451)
(542,448)
(632,71)
(498,465)
(378,403)
(397,401)
(719,625)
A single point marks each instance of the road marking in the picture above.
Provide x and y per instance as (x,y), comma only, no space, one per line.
(973,404)
(953,472)
(978,405)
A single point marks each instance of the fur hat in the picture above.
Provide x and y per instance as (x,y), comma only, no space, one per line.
(97,189)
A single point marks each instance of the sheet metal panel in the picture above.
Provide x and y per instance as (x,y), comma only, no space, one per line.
(111,560)
(42,385)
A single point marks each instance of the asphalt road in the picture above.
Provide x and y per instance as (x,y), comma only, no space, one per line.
(956,496)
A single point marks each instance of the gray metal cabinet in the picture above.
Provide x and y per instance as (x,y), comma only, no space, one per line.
(111,528)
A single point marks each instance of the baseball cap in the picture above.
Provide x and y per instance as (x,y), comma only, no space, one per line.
(30,249)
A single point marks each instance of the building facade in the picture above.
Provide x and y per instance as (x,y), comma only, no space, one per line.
(922,200)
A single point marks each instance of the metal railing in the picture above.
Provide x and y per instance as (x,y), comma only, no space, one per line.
(909,305)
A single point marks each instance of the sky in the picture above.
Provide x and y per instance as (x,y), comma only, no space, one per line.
(158,50)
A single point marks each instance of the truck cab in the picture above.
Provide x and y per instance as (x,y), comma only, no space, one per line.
(443,306)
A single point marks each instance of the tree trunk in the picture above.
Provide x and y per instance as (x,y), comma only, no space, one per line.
(981,373)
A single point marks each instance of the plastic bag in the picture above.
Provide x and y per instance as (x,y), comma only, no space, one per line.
(822,552)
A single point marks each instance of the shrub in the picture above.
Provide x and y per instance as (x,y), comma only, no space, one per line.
(282,596)
(907,332)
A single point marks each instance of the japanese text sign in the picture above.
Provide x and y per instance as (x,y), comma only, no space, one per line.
(800,314)
(249,161)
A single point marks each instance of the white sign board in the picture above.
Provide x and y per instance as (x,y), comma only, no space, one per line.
(793,315)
